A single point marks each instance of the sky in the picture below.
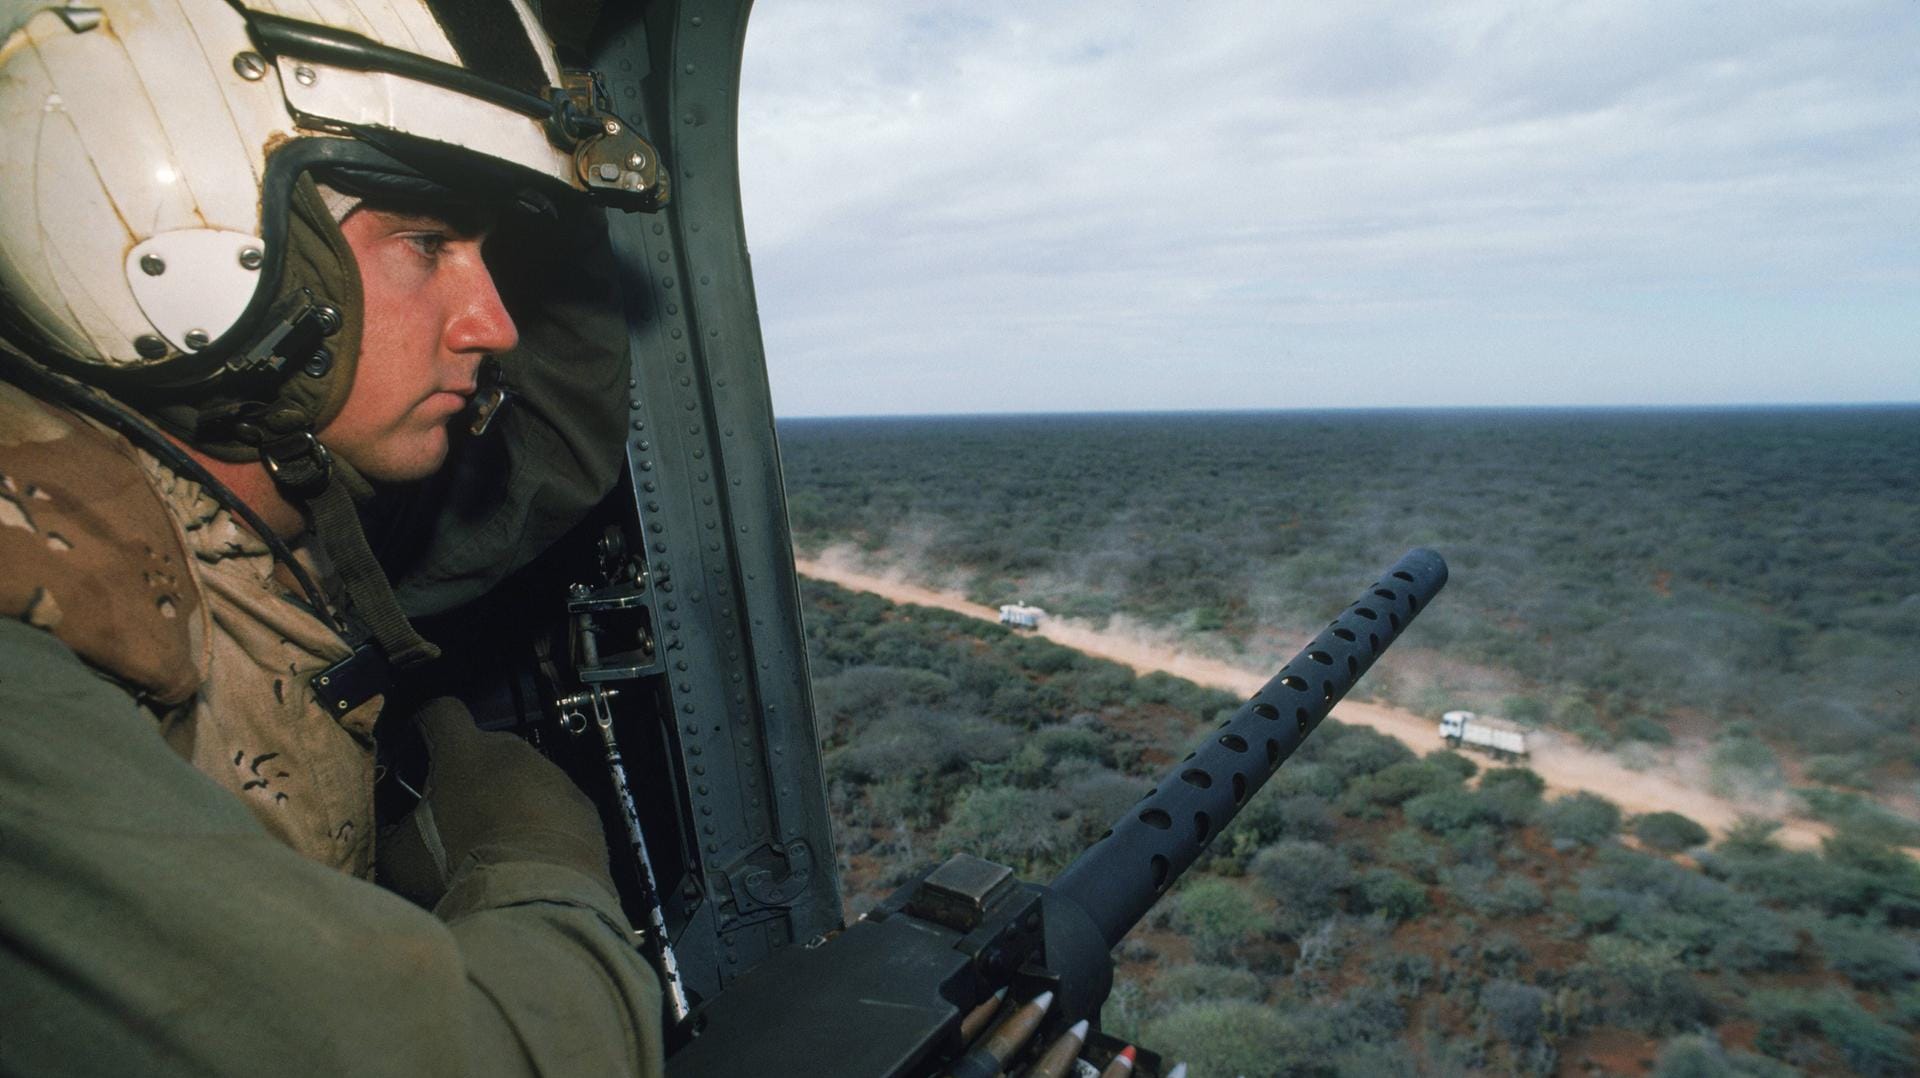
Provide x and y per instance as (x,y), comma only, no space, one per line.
(1194,205)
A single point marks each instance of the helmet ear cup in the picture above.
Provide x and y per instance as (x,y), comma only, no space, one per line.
(320,260)
(317,266)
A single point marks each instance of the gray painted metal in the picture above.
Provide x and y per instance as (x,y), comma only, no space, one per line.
(706,478)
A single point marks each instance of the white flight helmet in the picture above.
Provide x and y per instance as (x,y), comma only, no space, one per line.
(149,148)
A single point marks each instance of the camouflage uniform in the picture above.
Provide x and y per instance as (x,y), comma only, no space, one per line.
(185,834)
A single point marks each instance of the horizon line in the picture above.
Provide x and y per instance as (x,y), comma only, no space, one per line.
(1352,408)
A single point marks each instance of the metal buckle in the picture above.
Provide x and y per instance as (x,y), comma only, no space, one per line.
(296,337)
(308,448)
(609,158)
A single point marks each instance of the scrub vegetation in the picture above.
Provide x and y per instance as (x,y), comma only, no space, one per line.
(1742,576)
(1371,911)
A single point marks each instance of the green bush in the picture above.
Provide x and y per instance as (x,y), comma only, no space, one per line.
(1307,816)
(1510,796)
(1669,831)
(1201,983)
(865,692)
(1394,785)
(1405,973)
(1357,750)
(1304,878)
(1218,917)
(1904,1006)
(1581,818)
(1642,986)
(1444,811)
(1370,1059)
(1859,815)
(1500,953)
(1700,1055)
(1477,842)
(1642,728)
(905,801)
(1855,877)
(1032,764)
(1306,777)
(1522,779)
(1870,955)
(1409,849)
(1391,894)
(1234,1037)
(1454,762)
(1044,657)
(1850,769)
(1273,815)
(1873,877)
(1789,1016)
(1473,884)
(1704,921)
(1750,835)
(1743,765)
(1515,896)
(1019,828)
(1786,877)
(1576,714)
(1517,1013)
(1093,797)
(1016,702)
(1261,821)
(920,743)
(1526,710)
(1126,1010)
(1366,1013)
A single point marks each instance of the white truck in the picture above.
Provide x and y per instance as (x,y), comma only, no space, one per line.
(1502,740)
(1021,616)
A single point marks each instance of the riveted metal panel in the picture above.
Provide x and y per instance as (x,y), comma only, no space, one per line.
(706,478)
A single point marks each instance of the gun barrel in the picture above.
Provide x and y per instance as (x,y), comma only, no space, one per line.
(1121,876)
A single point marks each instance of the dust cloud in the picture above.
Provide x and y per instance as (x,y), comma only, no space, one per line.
(1675,781)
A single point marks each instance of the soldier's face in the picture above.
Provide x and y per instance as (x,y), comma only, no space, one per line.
(432,314)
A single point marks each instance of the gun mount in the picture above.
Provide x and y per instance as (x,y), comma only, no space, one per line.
(885,998)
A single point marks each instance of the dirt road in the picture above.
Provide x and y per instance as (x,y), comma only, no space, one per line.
(1564,765)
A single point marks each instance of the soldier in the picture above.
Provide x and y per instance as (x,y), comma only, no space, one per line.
(241,282)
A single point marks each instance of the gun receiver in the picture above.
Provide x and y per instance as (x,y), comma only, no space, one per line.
(885,998)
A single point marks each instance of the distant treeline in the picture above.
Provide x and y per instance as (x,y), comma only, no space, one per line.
(1625,566)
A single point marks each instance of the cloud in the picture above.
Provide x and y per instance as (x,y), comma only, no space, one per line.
(1203,205)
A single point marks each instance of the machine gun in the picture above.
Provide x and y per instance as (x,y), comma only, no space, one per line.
(886,997)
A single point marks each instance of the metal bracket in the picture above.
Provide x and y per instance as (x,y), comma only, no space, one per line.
(771,876)
(613,634)
(353,680)
(574,711)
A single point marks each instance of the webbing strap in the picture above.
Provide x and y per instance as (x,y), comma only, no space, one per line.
(327,486)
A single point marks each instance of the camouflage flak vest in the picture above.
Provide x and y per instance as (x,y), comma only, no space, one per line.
(148,580)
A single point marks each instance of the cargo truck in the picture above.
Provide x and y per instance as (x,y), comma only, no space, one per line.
(1502,740)
(1021,616)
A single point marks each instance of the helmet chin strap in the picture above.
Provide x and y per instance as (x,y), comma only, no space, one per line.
(330,489)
